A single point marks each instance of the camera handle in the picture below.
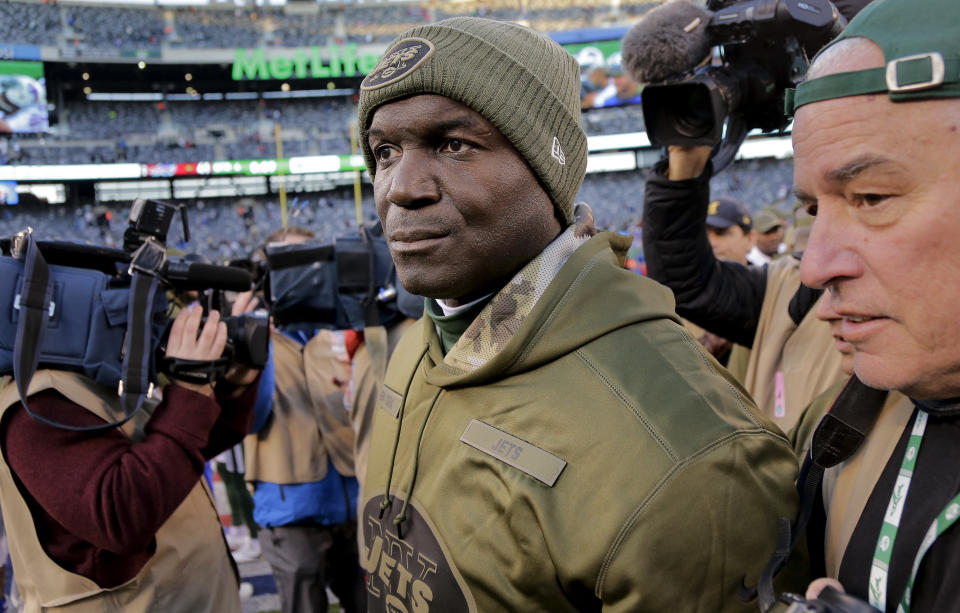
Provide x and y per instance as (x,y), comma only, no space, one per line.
(200,372)
(736,132)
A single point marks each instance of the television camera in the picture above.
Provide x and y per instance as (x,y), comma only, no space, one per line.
(714,73)
(104,312)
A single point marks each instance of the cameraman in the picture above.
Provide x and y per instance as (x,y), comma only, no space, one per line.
(299,460)
(121,520)
(792,357)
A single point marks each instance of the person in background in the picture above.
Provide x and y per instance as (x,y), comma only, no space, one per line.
(731,236)
(299,461)
(770,229)
(730,230)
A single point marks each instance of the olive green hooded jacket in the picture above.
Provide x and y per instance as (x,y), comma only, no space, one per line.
(575,450)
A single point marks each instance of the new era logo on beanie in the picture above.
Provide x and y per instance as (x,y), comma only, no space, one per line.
(557,151)
(522,82)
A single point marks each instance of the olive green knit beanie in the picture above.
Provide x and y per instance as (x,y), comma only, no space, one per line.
(525,84)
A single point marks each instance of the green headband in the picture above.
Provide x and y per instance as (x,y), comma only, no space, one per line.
(924,46)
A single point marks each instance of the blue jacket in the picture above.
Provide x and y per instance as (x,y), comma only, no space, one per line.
(332,500)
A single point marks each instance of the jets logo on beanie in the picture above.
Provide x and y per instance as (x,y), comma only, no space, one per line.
(522,82)
(406,55)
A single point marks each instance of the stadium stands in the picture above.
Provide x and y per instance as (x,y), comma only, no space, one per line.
(28,23)
(98,30)
(225,228)
(92,27)
(135,131)
(243,129)
(196,29)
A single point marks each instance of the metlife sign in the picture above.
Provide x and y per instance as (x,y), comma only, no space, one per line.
(310,63)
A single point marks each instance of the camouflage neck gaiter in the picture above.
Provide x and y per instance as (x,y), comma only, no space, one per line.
(501,317)
(451,327)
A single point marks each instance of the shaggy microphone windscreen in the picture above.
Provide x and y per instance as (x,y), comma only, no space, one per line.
(668,41)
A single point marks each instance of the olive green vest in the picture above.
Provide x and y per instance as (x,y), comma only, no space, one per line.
(190,571)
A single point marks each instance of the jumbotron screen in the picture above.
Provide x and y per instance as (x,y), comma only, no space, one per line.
(23,98)
(602,79)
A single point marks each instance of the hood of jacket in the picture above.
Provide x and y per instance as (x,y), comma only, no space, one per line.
(575,291)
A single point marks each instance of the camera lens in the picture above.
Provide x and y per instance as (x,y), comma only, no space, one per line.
(687,113)
(691,113)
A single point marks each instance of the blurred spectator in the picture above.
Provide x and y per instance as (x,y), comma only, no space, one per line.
(770,228)
(729,230)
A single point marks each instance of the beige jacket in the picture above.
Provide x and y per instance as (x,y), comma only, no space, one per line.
(190,571)
(309,422)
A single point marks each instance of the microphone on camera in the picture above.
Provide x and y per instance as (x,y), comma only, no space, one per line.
(199,276)
(669,40)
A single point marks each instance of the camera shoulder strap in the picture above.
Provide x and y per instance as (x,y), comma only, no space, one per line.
(36,294)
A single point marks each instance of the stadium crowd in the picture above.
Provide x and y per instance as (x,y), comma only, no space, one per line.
(105,31)
(185,131)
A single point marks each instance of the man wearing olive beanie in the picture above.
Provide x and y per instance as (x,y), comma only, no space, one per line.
(876,143)
(548,437)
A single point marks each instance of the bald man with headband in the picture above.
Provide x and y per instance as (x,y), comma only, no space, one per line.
(876,143)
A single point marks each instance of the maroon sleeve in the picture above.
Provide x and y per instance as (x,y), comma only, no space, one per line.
(103,488)
(236,418)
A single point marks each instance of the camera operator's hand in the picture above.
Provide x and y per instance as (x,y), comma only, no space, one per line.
(185,343)
(687,162)
(239,375)
(818,585)
(716,345)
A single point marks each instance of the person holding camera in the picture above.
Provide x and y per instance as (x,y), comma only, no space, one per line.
(547,437)
(792,359)
(713,74)
(300,462)
(770,229)
(121,520)
(876,147)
